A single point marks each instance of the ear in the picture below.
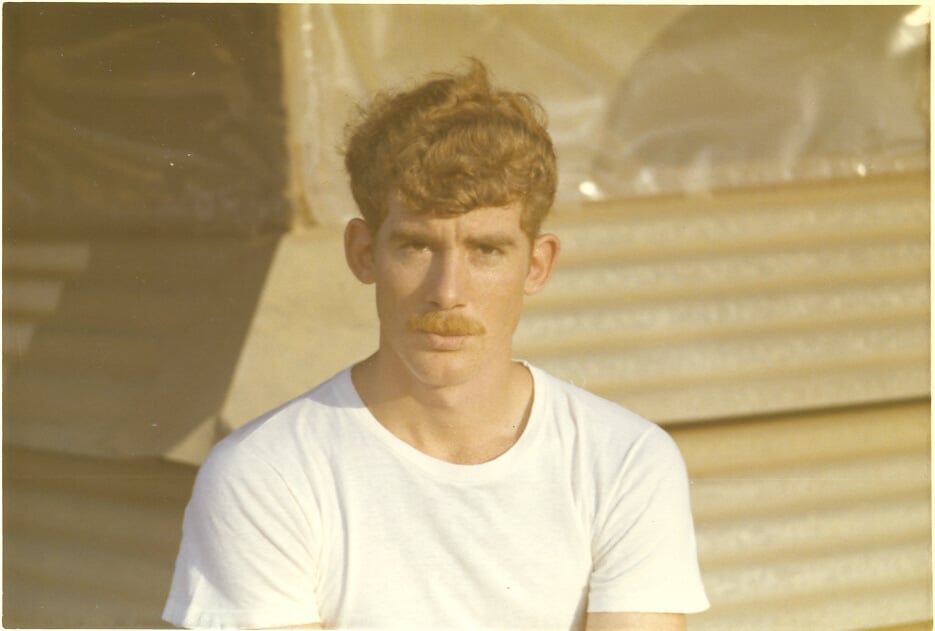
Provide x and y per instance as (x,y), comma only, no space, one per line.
(358,250)
(545,249)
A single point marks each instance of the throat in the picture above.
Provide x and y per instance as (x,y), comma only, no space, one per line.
(455,429)
(469,447)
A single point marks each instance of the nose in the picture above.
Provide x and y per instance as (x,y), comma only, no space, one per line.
(446,280)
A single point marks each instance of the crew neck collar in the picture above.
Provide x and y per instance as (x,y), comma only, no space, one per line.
(441,469)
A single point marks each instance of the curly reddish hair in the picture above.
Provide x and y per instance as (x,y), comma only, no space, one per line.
(449,146)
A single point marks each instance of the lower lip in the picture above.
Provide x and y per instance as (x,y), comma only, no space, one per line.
(446,342)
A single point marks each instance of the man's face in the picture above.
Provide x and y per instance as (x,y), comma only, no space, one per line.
(449,290)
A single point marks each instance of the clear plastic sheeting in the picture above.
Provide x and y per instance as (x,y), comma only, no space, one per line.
(336,55)
(643,100)
(740,96)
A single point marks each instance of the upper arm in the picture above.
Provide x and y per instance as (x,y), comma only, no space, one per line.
(247,556)
(631,621)
(645,557)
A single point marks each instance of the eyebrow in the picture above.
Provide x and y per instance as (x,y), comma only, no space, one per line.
(491,240)
(403,234)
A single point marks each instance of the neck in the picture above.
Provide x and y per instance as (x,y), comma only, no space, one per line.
(464,423)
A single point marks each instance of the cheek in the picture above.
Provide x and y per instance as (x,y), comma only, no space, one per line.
(506,300)
(396,291)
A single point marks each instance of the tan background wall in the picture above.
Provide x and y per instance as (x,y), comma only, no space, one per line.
(89,542)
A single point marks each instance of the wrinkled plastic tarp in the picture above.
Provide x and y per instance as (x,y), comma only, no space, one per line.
(143,119)
(743,96)
(643,100)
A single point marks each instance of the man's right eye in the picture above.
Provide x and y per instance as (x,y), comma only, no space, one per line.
(415,246)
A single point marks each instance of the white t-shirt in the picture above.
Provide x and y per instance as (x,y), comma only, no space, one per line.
(317,513)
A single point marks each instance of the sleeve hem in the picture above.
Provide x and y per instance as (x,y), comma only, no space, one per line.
(670,602)
(189,617)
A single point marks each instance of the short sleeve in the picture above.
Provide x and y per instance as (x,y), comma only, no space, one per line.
(645,557)
(247,556)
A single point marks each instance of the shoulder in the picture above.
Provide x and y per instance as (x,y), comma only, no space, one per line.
(609,431)
(590,412)
(286,434)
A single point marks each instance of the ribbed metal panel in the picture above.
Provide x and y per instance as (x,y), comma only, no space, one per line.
(123,347)
(707,314)
(88,542)
(817,521)
(746,303)
(718,312)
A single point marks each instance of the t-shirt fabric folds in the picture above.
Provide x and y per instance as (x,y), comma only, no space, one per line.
(315,512)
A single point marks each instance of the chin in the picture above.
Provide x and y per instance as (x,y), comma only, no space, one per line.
(441,370)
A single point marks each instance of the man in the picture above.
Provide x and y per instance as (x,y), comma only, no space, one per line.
(439,483)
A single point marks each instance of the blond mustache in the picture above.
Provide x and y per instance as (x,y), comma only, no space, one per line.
(445,324)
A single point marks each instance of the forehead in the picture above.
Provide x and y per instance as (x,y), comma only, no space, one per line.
(500,218)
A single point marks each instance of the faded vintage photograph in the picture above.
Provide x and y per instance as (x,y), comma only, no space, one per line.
(526,317)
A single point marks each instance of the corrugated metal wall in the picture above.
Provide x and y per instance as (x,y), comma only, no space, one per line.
(124,347)
(89,542)
(810,304)
(809,458)
(744,303)
(814,521)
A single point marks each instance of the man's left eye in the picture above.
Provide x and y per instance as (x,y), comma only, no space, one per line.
(488,250)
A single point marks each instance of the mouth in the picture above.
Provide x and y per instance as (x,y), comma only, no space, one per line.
(445,342)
